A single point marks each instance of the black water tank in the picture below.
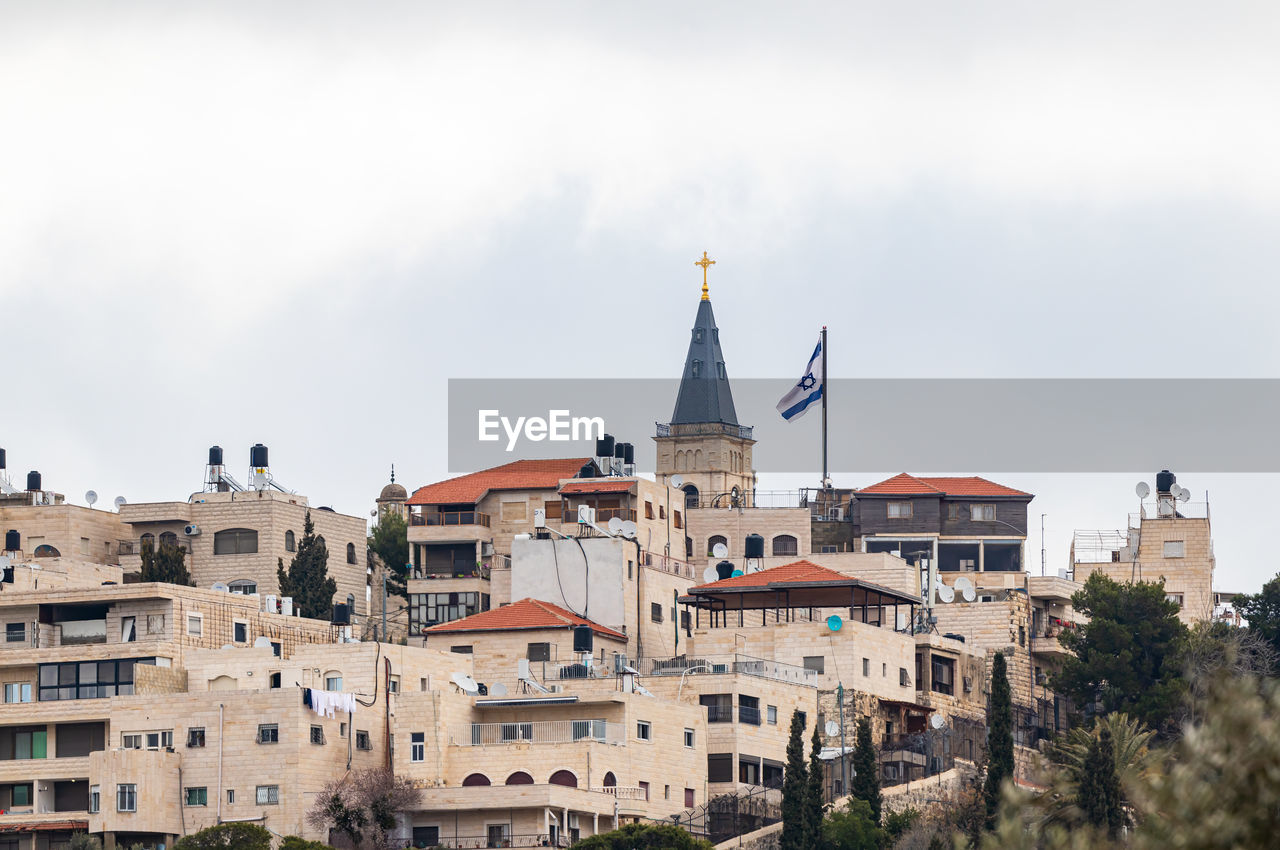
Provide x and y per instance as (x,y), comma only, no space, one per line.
(604,446)
(2,462)
(619,451)
(755,546)
(258,456)
(629,453)
(12,541)
(341,615)
(33,482)
(588,470)
(1165,481)
(215,455)
(724,570)
(583,639)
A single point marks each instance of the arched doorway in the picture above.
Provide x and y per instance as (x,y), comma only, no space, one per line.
(610,780)
(476,779)
(519,778)
(565,778)
(690,497)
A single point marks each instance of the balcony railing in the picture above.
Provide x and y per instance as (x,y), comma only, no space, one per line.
(744,664)
(479,571)
(667,429)
(134,547)
(674,566)
(622,792)
(749,714)
(719,714)
(450,518)
(539,732)
(474,842)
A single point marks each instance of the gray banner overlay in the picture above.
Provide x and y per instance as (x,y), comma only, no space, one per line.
(921,425)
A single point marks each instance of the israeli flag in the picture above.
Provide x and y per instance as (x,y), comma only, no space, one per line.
(807,391)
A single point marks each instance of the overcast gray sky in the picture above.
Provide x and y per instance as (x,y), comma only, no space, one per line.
(293,222)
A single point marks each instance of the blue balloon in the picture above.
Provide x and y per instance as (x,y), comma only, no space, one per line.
(834,623)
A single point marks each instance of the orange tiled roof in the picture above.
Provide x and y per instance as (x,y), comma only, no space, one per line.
(911,485)
(598,485)
(797,571)
(525,614)
(518,475)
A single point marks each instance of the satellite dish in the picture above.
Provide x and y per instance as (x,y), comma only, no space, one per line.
(228,646)
(834,622)
(833,728)
(615,525)
(373,512)
(735,574)
(677,481)
(946,593)
(709,575)
(1183,494)
(91,497)
(120,502)
(263,642)
(629,529)
(498,690)
(965,586)
(937,721)
(719,551)
(1143,490)
(217,585)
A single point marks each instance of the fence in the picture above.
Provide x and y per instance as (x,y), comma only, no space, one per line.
(539,732)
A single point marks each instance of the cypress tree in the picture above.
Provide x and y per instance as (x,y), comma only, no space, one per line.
(866,779)
(999,737)
(307,580)
(167,564)
(794,785)
(813,802)
(1100,797)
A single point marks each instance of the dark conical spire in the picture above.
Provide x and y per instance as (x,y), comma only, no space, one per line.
(704,387)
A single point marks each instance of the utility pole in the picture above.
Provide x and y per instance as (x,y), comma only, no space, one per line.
(384,602)
(1042,560)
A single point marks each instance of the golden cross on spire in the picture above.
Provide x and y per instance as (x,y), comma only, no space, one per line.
(704,262)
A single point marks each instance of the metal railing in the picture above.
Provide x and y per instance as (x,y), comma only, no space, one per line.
(537,732)
(450,518)
(745,664)
(478,571)
(719,713)
(668,429)
(667,564)
(748,714)
(134,547)
(470,842)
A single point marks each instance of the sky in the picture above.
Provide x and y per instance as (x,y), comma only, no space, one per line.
(292,223)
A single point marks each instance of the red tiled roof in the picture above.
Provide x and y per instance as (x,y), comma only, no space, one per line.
(525,614)
(518,475)
(911,485)
(598,485)
(798,571)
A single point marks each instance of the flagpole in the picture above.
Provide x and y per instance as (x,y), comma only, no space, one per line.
(824,407)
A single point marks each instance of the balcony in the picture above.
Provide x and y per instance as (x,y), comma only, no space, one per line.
(450,518)
(622,792)
(539,732)
(665,429)
(746,665)
(1047,643)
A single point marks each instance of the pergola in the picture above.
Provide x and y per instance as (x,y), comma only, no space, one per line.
(791,587)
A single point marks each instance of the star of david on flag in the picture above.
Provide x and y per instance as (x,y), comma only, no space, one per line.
(807,391)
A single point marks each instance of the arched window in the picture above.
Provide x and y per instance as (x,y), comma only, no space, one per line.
(242,585)
(565,778)
(690,497)
(168,538)
(147,539)
(351,553)
(333,680)
(44,550)
(235,541)
(785,544)
(519,778)
(610,780)
(475,779)
(688,548)
(713,540)
(290,543)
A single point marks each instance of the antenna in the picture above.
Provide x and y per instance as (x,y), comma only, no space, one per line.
(1143,489)
(91,497)
(121,502)
(719,551)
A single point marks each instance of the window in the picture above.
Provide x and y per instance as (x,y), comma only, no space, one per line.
(197,796)
(427,609)
(1175,549)
(1175,598)
(719,707)
(676,519)
(866,666)
(333,681)
(127,798)
(804,718)
(17,692)
(644,731)
(644,788)
(418,746)
(553,508)
(195,624)
(128,629)
(290,542)
(900,510)
(243,587)
(904,678)
(351,553)
(713,540)
(785,544)
(195,737)
(720,767)
(393,684)
(268,795)
(15,632)
(943,676)
(648,509)
(235,541)
(748,710)
(240,632)
(30,744)
(655,612)
(689,800)
(131,742)
(982,513)
(688,738)
(342,730)
(748,769)
(695,368)
(268,733)
(95,799)
(816,663)
(772,714)
(461,650)
(317,734)
(426,836)
(362,740)
(666,792)
(538,652)
(231,795)
(953,511)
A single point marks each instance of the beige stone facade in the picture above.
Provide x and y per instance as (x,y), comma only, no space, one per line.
(62,530)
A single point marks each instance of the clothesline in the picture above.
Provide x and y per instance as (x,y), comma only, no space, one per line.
(327,703)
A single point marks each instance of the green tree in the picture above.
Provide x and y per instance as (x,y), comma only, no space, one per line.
(1135,763)
(1127,657)
(83,841)
(814,804)
(293,842)
(1262,610)
(999,737)
(390,542)
(307,580)
(896,824)
(866,777)
(644,836)
(1100,786)
(852,828)
(167,564)
(227,836)
(794,786)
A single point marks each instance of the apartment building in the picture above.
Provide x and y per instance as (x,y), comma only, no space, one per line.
(39,523)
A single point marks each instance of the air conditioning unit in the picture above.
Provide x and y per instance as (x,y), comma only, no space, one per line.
(539,518)
(586,515)
(555,689)
(486,549)
(192,530)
